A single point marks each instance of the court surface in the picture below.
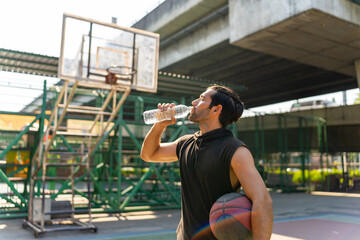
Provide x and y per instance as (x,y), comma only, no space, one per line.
(316,216)
(325,226)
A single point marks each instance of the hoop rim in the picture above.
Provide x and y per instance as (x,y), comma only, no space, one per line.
(121,75)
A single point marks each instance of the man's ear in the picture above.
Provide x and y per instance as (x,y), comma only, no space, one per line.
(218,109)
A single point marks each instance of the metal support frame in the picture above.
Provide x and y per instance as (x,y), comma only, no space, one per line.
(19,200)
(119,181)
(322,139)
(47,156)
(277,170)
(284,153)
(110,186)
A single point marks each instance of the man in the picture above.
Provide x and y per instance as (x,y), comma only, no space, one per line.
(212,163)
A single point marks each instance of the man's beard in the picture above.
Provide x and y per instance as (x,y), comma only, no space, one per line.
(192,118)
(198,116)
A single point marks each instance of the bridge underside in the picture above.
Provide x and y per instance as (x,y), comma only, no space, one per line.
(268,79)
(279,50)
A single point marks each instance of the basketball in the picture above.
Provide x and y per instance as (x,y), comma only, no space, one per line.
(230,217)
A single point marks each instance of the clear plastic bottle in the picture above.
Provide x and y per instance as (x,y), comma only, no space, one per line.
(155,115)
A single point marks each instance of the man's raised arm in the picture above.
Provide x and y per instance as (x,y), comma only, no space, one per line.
(152,149)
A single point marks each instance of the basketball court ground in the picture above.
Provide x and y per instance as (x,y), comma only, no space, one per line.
(316,216)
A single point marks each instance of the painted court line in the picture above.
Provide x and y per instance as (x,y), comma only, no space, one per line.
(326,216)
(275,236)
(336,194)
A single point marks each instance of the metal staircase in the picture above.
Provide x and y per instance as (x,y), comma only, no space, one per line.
(45,212)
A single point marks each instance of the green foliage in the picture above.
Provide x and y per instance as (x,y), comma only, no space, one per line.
(275,171)
(315,175)
(298,176)
(355,173)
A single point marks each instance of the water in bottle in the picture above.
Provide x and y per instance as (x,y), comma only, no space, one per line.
(155,115)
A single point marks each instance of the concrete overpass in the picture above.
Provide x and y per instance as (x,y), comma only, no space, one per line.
(280,49)
(342,129)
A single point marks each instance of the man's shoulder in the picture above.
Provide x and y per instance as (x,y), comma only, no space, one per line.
(231,139)
(185,137)
(182,142)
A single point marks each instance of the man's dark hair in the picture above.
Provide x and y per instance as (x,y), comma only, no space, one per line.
(232,106)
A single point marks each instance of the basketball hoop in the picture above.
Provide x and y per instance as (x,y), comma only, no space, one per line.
(119,72)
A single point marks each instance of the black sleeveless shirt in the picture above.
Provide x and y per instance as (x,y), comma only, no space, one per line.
(205,176)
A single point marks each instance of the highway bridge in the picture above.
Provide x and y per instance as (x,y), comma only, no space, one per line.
(279,50)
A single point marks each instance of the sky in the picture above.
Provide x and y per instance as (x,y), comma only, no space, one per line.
(35,26)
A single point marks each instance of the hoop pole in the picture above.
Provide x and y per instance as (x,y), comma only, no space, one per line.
(89,56)
(133,58)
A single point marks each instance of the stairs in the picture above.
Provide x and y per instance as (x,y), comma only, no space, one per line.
(73,160)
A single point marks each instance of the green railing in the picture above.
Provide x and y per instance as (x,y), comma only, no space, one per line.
(120,180)
(291,153)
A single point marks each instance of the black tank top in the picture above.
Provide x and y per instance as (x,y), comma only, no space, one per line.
(205,176)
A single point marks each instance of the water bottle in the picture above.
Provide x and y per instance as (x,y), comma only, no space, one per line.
(155,115)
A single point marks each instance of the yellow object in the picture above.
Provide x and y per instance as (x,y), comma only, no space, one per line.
(18,158)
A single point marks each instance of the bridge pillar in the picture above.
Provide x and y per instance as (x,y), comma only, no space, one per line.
(357,69)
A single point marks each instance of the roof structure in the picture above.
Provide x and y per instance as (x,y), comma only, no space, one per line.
(23,62)
(170,85)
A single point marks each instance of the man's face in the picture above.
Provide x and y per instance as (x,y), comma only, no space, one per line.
(201,105)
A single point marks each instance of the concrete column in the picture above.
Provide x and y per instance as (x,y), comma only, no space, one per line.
(357,69)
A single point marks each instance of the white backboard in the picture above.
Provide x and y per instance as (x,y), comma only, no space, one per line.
(89,47)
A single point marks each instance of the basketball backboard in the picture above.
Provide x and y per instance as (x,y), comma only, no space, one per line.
(89,48)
